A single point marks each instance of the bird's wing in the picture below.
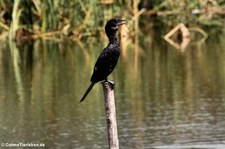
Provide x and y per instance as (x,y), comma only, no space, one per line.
(105,63)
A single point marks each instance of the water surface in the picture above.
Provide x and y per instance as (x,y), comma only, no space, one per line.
(165,98)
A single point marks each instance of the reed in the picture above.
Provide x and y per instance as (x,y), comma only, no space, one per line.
(85,17)
(16,13)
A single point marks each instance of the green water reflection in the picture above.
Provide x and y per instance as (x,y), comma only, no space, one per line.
(165,97)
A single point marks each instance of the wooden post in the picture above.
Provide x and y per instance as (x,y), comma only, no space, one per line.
(110,111)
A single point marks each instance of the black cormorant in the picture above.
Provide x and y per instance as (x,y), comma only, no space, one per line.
(107,60)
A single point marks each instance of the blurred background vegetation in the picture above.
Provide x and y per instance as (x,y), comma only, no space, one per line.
(59,19)
(163,96)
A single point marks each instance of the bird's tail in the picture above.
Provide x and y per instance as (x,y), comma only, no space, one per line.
(88,90)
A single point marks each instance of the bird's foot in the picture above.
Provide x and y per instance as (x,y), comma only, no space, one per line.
(112,83)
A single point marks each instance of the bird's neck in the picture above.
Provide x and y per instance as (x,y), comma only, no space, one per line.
(113,39)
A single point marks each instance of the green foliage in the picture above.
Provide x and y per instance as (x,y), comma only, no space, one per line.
(86,16)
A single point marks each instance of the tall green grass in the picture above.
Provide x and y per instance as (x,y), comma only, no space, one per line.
(86,16)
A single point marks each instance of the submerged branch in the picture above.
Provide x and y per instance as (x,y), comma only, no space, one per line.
(182,33)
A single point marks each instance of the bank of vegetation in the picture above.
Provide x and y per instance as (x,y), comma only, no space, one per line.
(57,19)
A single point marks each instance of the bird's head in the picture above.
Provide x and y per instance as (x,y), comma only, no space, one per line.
(112,26)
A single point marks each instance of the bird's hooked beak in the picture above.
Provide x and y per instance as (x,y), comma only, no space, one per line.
(121,22)
(117,24)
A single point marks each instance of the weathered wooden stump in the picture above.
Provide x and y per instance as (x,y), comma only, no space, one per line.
(110,110)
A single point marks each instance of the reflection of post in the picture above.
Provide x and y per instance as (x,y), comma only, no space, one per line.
(110,115)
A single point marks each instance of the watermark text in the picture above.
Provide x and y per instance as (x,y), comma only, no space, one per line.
(20,144)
